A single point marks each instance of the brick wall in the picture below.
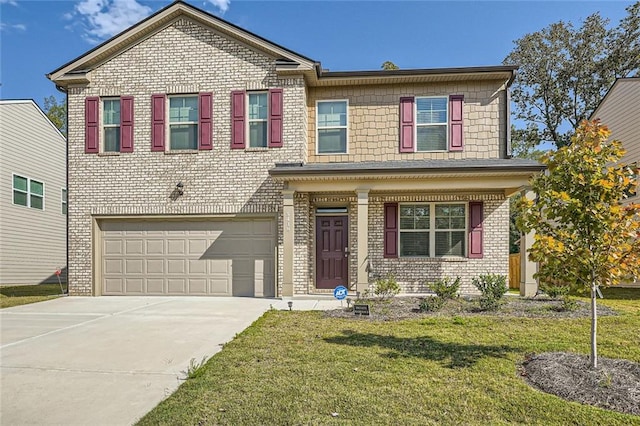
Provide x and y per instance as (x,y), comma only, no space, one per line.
(373,120)
(182,58)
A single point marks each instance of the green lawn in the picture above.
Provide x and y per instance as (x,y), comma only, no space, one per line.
(24,294)
(299,368)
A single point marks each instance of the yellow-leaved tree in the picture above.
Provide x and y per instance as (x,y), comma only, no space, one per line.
(587,234)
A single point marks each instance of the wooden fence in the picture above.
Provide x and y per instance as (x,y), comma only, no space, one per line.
(514,270)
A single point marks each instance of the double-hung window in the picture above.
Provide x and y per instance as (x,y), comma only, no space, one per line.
(332,127)
(28,192)
(64,201)
(258,120)
(431,124)
(432,230)
(183,122)
(111,124)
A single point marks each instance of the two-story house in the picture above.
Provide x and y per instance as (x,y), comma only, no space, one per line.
(33,195)
(206,160)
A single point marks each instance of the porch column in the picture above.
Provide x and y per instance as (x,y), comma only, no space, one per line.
(363,240)
(528,284)
(288,231)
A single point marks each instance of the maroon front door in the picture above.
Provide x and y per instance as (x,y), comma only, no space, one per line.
(332,257)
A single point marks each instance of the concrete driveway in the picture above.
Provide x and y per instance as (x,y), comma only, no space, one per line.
(108,360)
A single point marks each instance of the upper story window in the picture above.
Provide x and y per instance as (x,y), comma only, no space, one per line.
(183,122)
(64,201)
(108,124)
(257,117)
(432,230)
(332,127)
(431,124)
(28,192)
(111,125)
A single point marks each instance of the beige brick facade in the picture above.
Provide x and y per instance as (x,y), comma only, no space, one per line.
(186,57)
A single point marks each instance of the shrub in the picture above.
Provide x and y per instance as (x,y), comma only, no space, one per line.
(386,287)
(432,304)
(492,287)
(555,291)
(444,288)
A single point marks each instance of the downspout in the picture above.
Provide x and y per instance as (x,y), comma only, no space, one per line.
(66,184)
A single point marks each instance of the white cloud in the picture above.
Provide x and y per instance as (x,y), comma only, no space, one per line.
(8,27)
(223,5)
(11,2)
(102,19)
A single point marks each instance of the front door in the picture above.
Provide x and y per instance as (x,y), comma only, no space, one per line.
(332,257)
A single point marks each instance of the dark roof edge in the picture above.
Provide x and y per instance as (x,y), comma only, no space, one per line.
(317,64)
(293,171)
(419,71)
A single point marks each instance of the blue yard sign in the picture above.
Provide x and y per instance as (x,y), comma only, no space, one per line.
(340,292)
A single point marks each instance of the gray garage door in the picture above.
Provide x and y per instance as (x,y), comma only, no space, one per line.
(204,257)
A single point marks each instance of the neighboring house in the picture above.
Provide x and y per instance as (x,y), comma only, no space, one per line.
(206,160)
(620,111)
(33,197)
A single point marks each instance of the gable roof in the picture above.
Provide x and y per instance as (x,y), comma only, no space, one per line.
(9,103)
(287,61)
(77,69)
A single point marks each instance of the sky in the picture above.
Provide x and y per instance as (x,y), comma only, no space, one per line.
(37,37)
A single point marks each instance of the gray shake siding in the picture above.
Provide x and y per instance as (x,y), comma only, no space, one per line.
(182,58)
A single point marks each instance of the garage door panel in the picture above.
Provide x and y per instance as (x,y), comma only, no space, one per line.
(155,247)
(155,266)
(203,257)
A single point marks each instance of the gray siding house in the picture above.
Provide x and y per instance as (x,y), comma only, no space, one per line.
(206,160)
(33,197)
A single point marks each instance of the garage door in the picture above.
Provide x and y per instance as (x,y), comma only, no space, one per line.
(204,257)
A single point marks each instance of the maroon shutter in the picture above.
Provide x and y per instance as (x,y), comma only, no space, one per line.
(238,98)
(205,121)
(391,230)
(407,124)
(455,122)
(275,118)
(475,229)
(158,103)
(126,124)
(91,125)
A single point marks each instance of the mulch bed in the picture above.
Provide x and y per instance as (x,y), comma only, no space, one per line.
(405,307)
(614,385)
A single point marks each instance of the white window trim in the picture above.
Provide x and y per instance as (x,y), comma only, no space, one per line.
(64,202)
(167,136)
(446,123)
(432,229)
(103,126)
(28,192)
(332,127)
(249,120)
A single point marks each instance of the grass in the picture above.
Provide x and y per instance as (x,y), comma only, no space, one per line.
(24,294)
(302,368)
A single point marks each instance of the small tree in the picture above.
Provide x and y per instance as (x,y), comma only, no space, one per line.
(585,234)
(388,65)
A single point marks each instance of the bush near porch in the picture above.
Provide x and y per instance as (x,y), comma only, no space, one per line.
(307,368)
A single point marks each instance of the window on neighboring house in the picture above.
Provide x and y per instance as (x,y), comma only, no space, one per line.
(431,124)
(28,192)
(111,125)
(332,127)
(258,118)
(64,201)
(432,230)
(183,122)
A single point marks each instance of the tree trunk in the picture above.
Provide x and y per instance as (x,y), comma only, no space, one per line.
(594,324)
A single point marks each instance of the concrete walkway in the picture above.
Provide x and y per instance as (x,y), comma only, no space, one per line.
(110,360)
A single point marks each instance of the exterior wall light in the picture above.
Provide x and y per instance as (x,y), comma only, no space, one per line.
(180,188)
